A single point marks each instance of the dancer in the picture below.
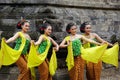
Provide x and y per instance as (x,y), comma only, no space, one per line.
(18,55)
(40,57)
(73,42)
(93,70)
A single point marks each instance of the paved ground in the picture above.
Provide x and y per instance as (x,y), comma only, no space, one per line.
(108,73)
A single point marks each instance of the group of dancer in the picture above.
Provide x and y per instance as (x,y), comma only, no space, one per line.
(76,41)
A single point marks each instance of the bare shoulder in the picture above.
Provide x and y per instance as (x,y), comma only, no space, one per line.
(94,34)
(17,34)
(50,38)
(41,36)
(79,35)
(27,35)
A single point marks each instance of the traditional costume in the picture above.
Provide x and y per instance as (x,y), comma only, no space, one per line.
(93,70)
(38,57)
(74,61)
(17,55)
(94,55)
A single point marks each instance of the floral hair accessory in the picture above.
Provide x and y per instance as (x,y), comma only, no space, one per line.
(82,29)
(41,28)
(19,24)
(68,30)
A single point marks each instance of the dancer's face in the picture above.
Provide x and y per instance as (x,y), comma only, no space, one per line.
(88,29)
(73,30)
(25,27)
(48,30)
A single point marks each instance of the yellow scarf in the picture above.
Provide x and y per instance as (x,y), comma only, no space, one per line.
(8,55)
(53,63)
(110,55)
(35,59)
(70,57)
(93,54)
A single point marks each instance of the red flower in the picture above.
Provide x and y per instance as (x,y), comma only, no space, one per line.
(41,28)
(19,24)
(68,30)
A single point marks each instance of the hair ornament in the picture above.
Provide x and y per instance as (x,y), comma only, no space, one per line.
(41,28)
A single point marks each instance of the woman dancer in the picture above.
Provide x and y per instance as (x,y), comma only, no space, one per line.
(44,43)
(21,61)
(76,72)
(93,70)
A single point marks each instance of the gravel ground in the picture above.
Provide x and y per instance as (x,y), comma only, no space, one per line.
(110,74)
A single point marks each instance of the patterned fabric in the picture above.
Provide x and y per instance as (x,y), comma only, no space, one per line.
(44,71)
(26,47)
(42,47)
(77,72)
(76,44)
(93,71)
(24,70)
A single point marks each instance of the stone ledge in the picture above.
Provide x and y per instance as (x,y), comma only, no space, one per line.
(66,3)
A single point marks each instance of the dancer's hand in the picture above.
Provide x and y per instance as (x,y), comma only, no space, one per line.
(32,41)
(4,39)
(68,42)
(105,42)
(110,44)
(56,48)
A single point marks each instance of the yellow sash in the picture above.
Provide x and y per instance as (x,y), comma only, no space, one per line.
(1,56)
(93,54)
(86,45)
(111,55)
(8,55)
(34,58)
(70,57)
(53,63)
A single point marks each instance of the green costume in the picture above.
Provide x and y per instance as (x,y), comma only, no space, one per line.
(26,47)
(76,45)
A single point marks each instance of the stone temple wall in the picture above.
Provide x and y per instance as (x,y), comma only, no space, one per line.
(104,16)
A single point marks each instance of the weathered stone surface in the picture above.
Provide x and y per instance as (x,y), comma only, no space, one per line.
(79,3)
(101,20)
